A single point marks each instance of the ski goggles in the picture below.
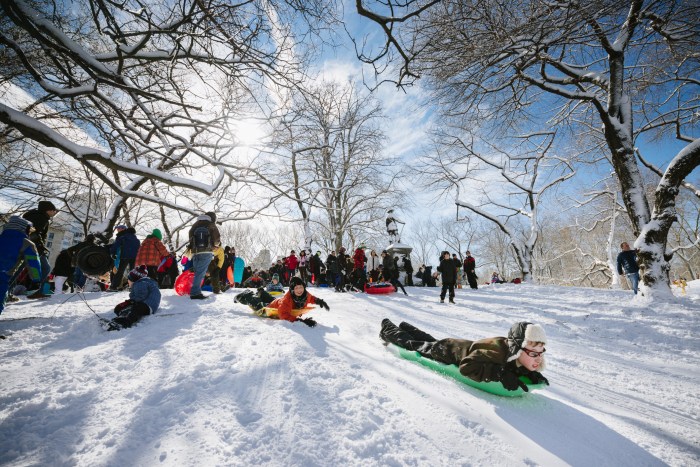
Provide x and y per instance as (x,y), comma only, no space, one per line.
(532,353)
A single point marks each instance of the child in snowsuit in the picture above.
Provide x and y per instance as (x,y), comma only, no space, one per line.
(17,249)
(448,269)
(274,285)
(297,297)
(144,299)
(502,359)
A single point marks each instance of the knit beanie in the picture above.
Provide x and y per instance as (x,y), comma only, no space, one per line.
(18,223)
(157,233)
(212,215)
(276,277)
(138,273)
(294,281)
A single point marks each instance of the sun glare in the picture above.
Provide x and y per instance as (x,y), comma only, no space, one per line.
(248,132)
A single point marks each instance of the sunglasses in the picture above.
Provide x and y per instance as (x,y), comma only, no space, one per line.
(532,353)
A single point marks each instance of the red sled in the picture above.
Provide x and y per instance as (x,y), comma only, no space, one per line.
(376,288)
(183,283)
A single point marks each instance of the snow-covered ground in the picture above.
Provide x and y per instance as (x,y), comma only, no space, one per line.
(208,383)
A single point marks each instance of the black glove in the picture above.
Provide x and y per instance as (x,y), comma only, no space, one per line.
(310,322)
(322,304)
(537,378)
(511,381)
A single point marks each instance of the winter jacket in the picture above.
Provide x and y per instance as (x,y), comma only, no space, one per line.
(316,264)
(16,247)
(373,262)
(286,303)
(448,271)
(40,221)
(291,262)
(627,262)
(214,235)
(469,265)
(387,265)
(151,252)
(64,263)
(408,266)
(303,261)
(332,264)
(126,244)
(278,287)
(359,259)
(145,290)
(219,256)
(481,360)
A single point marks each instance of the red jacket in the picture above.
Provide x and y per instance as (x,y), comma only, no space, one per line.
(359,258)
(292,262)
(285,305)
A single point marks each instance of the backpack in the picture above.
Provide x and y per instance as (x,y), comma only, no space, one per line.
(201,239)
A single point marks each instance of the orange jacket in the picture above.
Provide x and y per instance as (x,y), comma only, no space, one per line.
(151,252)
(285,305)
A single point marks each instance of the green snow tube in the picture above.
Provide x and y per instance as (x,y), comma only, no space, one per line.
(452,371)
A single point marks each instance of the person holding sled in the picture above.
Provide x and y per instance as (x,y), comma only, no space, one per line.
(297,297)
(502,359)
(144,300)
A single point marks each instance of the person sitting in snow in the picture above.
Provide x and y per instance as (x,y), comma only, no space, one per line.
(502,359)
(297,297)
(274,285)
(144,299)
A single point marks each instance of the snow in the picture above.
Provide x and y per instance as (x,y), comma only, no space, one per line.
(208,383)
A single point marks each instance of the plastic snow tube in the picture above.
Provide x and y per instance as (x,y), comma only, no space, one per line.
(276,293)
(493,387)
(183,283)
(377,288)
(94,260)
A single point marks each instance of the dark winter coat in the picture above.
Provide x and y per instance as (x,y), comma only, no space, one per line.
(481,360)
(145,290)
(387,265)
(214,235)
(408,266)
(627,262)
(448,271)
(64,265)
(40,221)
(469,264)
(332,264)
(126,244)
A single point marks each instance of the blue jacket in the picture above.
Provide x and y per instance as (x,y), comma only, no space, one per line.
(126,244)
(15,246)
(146,290)
(627,262)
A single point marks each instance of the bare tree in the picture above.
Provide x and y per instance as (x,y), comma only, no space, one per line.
(330,163)
(598,63)
(141,95)
(505,186)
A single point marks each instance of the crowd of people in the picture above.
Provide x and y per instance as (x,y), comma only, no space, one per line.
(24,259)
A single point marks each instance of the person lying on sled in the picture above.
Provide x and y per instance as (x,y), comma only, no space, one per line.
(296,298)
(502,359)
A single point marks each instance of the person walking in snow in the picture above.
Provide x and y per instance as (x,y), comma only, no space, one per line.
(627,265)
(502,359)
(448,271)
(296,298)
(16,250)
(144,299)
(204,236)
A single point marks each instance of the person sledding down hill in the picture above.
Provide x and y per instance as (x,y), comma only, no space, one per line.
(296,298)
(502,359)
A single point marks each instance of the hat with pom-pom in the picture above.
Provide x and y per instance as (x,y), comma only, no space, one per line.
(138,273)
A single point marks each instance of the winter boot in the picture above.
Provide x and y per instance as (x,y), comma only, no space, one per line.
(416,334)
(244,297)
